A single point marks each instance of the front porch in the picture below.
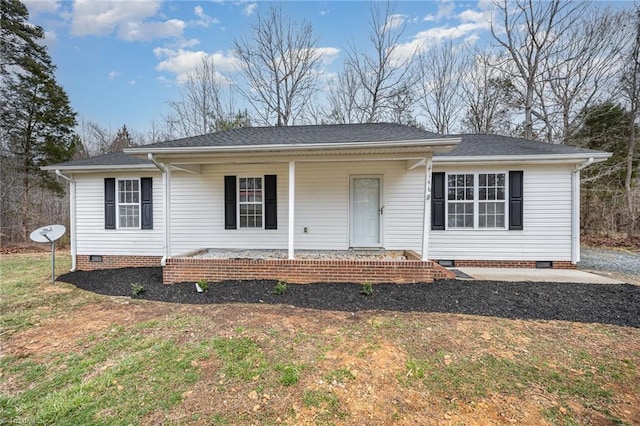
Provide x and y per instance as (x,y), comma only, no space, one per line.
(309,266)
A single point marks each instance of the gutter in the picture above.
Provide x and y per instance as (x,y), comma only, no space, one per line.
(575,210)
(165,216)
(72,218)
(449,143)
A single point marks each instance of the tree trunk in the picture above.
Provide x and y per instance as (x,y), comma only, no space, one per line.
(25,204)
(631,226)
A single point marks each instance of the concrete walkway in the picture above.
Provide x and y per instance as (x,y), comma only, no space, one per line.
(537,275)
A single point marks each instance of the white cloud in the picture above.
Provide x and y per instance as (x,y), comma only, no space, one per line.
(205,20)
(429,18)
(470,24)
(181,62)
(37,7)
(324,12)
(445,9)
(128,19)
(394,21)
(50,38)
(114,74)
(249,9)
(327,54)
(146,31)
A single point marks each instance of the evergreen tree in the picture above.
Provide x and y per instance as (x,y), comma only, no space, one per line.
(36,122)
(122,140)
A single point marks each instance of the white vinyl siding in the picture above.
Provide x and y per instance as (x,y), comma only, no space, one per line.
(197,209)
(547,222)
(322,206)
(92,238)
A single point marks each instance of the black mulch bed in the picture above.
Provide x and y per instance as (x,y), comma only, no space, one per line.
(590,303)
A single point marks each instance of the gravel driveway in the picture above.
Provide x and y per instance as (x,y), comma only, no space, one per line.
(599,259)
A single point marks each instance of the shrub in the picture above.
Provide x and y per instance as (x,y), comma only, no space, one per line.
(136,289)
(204,285)
(280,287)
(367,289)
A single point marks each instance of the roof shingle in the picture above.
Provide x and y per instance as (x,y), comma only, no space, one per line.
(471,145)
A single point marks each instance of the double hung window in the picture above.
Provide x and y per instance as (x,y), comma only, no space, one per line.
(250,202)
(476,200)
(129,203)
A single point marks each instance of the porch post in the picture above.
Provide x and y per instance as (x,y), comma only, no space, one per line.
(167,211)
(426,225)
(292,206)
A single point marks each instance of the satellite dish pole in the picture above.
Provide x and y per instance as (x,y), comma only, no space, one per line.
(49,234)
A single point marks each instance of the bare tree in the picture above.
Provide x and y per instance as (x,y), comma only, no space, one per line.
(380,75)
(582,70)
(202,105)
(441,75)
(344,98)
(487,97)
(528,31)
(278,60)
(631,88)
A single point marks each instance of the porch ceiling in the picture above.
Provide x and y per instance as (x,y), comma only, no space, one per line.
(335,155)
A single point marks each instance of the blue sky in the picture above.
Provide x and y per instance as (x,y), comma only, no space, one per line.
(121,61)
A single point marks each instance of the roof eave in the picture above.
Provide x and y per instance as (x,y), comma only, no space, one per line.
(446,144)
(99,167)
(537,159)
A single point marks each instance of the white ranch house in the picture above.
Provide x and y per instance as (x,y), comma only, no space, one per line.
(458,200)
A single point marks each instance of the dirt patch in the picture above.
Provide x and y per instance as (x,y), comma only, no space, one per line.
(63,333)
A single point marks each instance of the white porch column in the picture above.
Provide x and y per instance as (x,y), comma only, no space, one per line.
(167,211)
(292,206)
(426,224)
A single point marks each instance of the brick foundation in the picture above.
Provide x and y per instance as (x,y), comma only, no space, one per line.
(116,261)
(439,271)
(298,271)
(509,264)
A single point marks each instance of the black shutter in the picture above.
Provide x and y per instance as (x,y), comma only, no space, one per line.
(146,196)
(437,201)
(270,202)
(109,203)
(230,202)
(516,196)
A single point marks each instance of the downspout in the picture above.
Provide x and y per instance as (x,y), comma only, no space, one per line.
(575,211)
(72,217)
(165,215)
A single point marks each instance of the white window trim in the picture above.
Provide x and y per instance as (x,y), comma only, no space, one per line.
(238,203)
(476,201)
(128,204)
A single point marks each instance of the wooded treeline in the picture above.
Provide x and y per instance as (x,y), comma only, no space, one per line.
(556,71)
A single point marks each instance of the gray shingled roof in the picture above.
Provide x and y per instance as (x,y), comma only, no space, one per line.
(325,133)
(114,159)
(495,145)
(470,145)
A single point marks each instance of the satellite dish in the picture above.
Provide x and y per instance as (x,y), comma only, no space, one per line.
(49,234)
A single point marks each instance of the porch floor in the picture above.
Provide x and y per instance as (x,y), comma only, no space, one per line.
(382,255)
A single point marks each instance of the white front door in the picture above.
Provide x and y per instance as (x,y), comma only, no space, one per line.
(365,211)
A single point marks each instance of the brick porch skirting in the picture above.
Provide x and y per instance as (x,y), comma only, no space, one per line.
(183,269)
